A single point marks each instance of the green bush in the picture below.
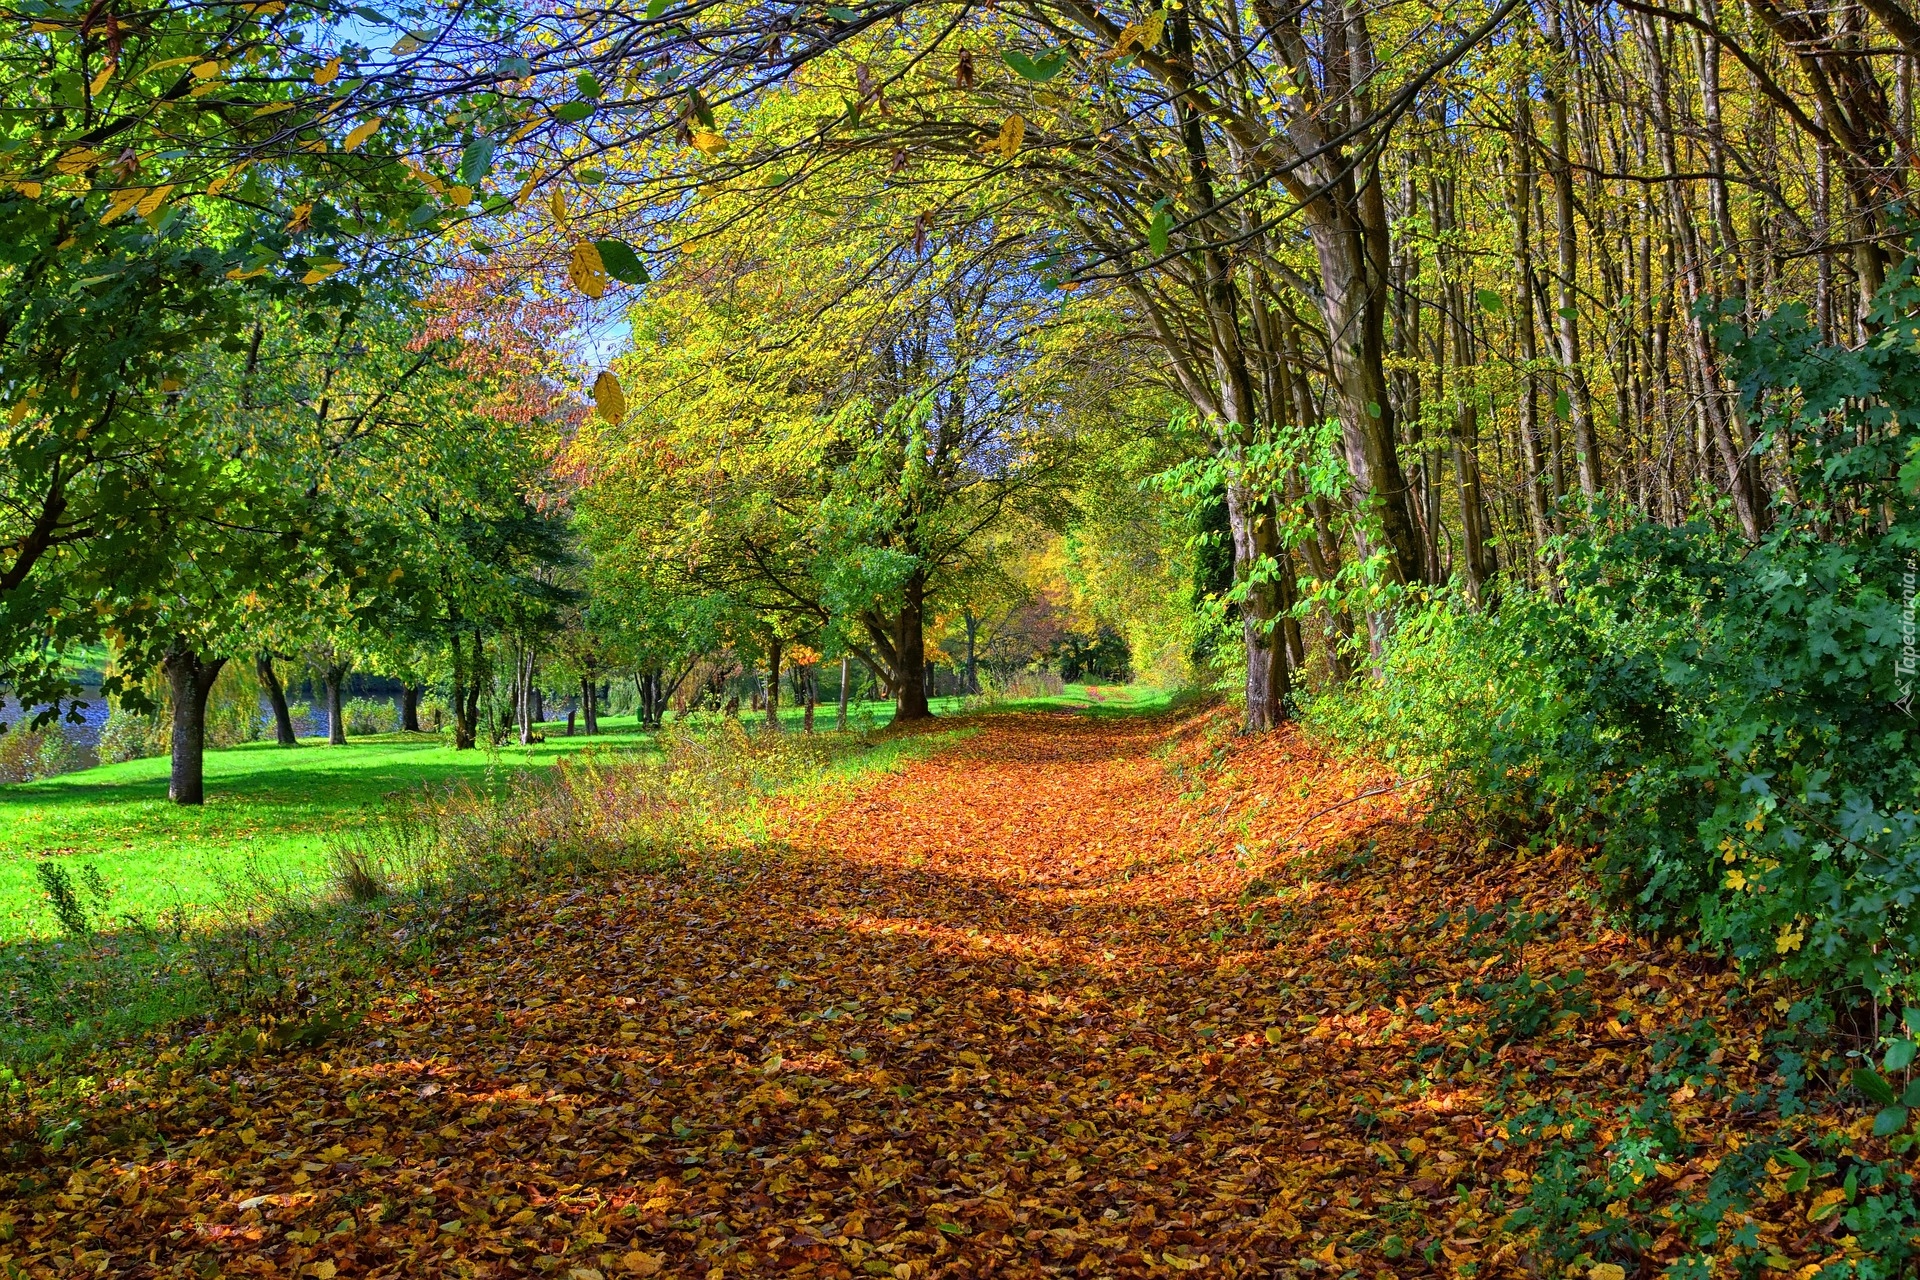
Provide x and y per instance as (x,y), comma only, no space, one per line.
(370,715)
(26,754)
(1728,722)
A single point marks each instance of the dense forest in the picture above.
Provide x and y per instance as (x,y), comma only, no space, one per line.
(1513,391)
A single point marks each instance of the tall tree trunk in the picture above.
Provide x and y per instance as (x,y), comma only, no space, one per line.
(840,721)
(410,695)
(466,690)
(1256,543)
(333,677)
(973,634)
(1586,445)
(910,644)
(190,679)
(589,707)
(522,699)
(775,649)
(276,698)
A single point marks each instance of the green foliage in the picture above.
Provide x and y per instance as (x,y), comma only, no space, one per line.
(26,754)
(1728,722)
(64,899)
(370,715)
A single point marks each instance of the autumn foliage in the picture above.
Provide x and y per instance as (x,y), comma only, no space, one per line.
(1066,996)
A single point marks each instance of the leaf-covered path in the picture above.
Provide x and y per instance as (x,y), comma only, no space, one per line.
(1022,1008)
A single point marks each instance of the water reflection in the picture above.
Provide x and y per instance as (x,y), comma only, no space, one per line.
(83,736)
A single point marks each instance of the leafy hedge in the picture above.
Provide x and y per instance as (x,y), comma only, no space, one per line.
(1730,723)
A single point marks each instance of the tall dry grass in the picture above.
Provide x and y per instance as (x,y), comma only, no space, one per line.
(584,814)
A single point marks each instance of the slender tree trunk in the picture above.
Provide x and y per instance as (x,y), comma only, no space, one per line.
(973,669)
(775,650)
(333,677)
(840,721)
(277,699)
(1580,399)
(466,690)
(812,695)
(589,707)
(190,679)
(523,694)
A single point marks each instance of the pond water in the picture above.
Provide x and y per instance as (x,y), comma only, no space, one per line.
(308,721)
(84,736)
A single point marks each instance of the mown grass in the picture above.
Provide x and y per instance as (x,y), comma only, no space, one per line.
(268,809)
(267,814)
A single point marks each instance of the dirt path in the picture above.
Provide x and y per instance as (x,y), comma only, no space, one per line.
(1014,1010)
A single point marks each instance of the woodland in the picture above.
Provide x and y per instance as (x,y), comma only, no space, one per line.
(1488,414)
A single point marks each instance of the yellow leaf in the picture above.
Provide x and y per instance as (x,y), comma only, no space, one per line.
(526,129)
(325,75)
(609,399)
(38,27)
(587,272)
(1151,29)
(173,384)
(164,63)
(1606,1271)
(1123,42)
(272,108)
(122,201)
(557,205)
(100,81)
(708,143)
(20,411)
(241,273)
(78,160)
(31,190)
(1276,1036)
(154,199)
(325,1270)
(360,134)
(1007,142)
(526,188)
(460,197)
(321,272)
(206,70)
(1825,1203)
(643,1264)
(225,180)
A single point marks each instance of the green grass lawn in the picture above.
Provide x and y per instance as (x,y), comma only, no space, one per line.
(269,809)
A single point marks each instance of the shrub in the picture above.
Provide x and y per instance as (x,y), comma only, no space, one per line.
(1727,721)
(435,713)
(1011,686)
(370,715)
(582,814)
(26,754)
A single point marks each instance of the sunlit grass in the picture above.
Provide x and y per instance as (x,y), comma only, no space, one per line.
(270,808)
